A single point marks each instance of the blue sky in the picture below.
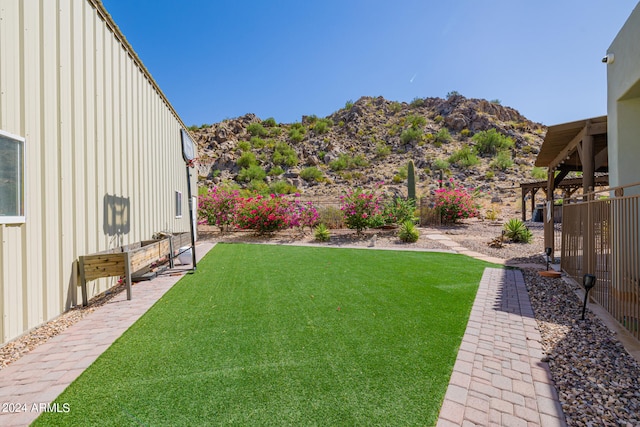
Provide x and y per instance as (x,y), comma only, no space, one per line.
(217,59)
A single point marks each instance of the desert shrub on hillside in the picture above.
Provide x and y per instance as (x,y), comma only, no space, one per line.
(311,173)
(490,142)
(256,129)
(275,171)
(464,157)
(345,162)
(382,150)
(416,121)
(411,134)
(443,136)
(539,173)
(502,161)
(284,154)
(269,123)
(440,164)
(244,145)
(247,159)
(251,173)
(322,126)
(257,142)
(296,135)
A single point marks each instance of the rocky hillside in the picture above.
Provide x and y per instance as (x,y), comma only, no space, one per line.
(371,141)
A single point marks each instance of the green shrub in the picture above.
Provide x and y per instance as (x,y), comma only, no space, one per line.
(490,142)
(440,164)
(416,121)
(411,134)
(382,150)
(344,161)
(275,171)
(489,175)
(284,154)
(408,232)
(321,233)
(398,210)
(395,107)
(257,142)
(256,129)
(464,158)
(275,131)
(311,173)
(416,102)
(438,118)
(269,123)
(452,94)
(443,136)
(247,159)
(464,133)
(502,161)
(539,173)
(251,173)
(322,126)
(296,135)
(517,231)
(244,145)
(282,187)
(348,105)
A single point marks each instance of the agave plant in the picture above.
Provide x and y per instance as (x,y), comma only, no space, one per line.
(517,231)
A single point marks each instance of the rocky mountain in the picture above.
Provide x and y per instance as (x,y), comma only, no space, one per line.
(371,141)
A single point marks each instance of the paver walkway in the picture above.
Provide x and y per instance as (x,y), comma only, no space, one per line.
(498,378)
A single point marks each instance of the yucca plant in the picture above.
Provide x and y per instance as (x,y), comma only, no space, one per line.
(321,233)
(517,231)
(408,232)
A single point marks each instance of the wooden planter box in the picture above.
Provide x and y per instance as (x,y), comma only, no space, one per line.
(127,260)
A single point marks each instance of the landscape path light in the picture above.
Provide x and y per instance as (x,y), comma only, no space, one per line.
(588,281)
(548,252)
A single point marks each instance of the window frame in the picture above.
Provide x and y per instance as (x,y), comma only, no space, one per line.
(21,216)
(178,199)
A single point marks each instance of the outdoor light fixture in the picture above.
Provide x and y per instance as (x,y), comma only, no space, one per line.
(588,281)
(548,252)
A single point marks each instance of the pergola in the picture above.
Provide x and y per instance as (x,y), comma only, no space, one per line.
(579,146)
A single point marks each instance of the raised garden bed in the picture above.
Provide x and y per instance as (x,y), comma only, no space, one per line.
(125,261)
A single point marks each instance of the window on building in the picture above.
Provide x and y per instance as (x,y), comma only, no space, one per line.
(178,204)
(11,178)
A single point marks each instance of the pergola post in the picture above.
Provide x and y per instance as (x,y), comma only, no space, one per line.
(549,241)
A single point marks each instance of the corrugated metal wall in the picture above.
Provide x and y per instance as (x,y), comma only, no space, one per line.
(102,142)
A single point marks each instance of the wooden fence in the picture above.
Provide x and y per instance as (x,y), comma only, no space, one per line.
(601,236)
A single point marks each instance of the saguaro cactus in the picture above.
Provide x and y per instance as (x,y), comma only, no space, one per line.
(411,181)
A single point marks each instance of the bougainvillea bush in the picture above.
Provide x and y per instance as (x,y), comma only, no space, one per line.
(361,208)
(455,203)
(262,214)
(217,207)
(302,214)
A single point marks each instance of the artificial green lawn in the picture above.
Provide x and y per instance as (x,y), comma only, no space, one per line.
(281,335)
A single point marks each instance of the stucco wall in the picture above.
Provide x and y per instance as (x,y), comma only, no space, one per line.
(623,104)
(102,142)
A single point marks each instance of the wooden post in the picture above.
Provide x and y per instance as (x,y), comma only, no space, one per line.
(83,282)
(127,273)
(548,213)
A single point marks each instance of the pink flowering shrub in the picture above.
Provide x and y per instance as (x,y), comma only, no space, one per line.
(455,203)
(302,214)
(217,207)
(360,208)
(263,214)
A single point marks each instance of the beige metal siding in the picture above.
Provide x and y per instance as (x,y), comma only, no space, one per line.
(95,125)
